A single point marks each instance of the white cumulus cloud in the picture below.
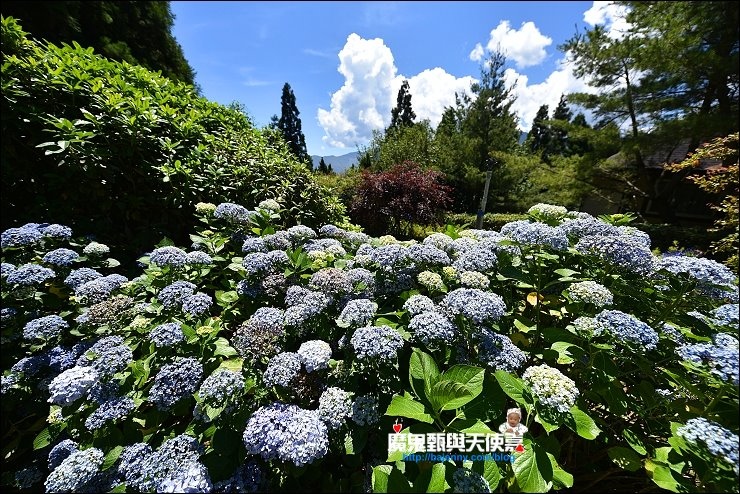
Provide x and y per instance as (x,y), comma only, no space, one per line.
(525,46)
(609,14)
(371,84)
(477,54)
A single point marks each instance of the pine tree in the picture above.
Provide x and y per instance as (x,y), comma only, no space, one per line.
(562,112)
(403,114)
(558,143)
(289,125)
(322,166)
(540,134)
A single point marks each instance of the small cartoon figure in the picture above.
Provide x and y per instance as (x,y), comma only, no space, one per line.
(513,423)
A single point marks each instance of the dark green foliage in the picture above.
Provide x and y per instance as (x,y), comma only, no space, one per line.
(324,168)
(491,221)
(289,126)
(403,114)
(138,32)
(116,149)
(538,137)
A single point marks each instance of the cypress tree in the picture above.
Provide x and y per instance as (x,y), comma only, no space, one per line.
(289,126)
(403,114)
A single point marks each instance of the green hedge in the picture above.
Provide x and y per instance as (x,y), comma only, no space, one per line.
(119,150)
(491,221)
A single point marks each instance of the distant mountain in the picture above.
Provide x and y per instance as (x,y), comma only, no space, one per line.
(339,164)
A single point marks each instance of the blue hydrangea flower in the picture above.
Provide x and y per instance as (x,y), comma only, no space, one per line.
(220,387)
(365,410)
(257,262)
(587,225)
(197,304)
(95,249)
(259,336)
(462,245)
(335,405)
(282,369)
(134,464)
(438,240)
(99,289)
(362,280)
(168,256)
(110,411)
(168,334)
(551,388)
(469,481)
(376,342)
(720,357)
(61,257)
(590,292)
(75,471)
(19,237)
(30,275)
(314,355)
(416,304)
(175,381)
(71,385)
(534,233)
(628,329)
(249,477)
(720,442)
(705,271)
(26,478)
(233,213)
(61,452)
(254,244)
(172,295)
(620,250)
(198,258)
(100,392)
(190,477)
(148,470)
(30,366)
(57,231)
(5,269)
(286,432)
(427,255)
(358,312)
(108,356)
(331,281)
(246,289)
(7,314)
(278,241)
(498,352)
(726,315)
(45,328)
(475,259)
(300,233)
(81,276)
(476,305)
(635,234)
(433,329)
(63,358)
(331,231)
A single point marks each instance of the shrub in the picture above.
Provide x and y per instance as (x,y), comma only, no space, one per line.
(392,200)
(127,153)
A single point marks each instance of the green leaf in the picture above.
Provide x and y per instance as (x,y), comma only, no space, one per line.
(111,457)
(43,439)
(634,441)
(489,470)
(532,468)
(449,395)
(423,372)
(437,483)
(523,327)
(565,272)
(625,458)
(546,423)
(354,441)
(405,406)
(223,348)
(468,375)
(560,478)
(226,298)
(478,427)
(397,482)
(380,478)
(564,356)
(512,385)
(582,424)
(662,476)
(234,364)
(119,489)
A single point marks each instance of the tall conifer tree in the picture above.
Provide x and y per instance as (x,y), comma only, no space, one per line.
(289,125)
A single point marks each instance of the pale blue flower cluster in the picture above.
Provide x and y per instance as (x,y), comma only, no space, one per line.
(551,388)
(534,233)
(590,292)
(61,452)
(28,234)
(61,257)
(303,305)
(197,304)
(220,387)
(75,471)
(71,385)
(57,231)
(498,352)
(99,289)
(706,272)
(259,336)
(329,245)
(389,257)
(189,477)
(233,213)
(619,250)
(427,255)
(5,269)
(45,328)
(108,356)
(314,355)
(335,406)
(63,358)
(627,329)
(475,259)
(175,381)
(465,480)
(95,249)
(720,357)
(578,228)
(173,295)
(30,366)
(358,312)
(249,477)
(635,234)
(726,315)
(720,442)
(30,275)
(300,233)
(363,281)
(331,281)
(253,244)
(433,329)
(278,240)
(169,256)
(286,432)
(365,410)
(80,276)
(282,369)
(110,411)
(477,305)
(438,240)
(416,304)
(168,334)
(376,342)
(198,258)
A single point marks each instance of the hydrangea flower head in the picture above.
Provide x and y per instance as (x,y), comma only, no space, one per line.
(551,388)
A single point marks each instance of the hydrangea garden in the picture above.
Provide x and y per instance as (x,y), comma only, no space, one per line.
(265,358)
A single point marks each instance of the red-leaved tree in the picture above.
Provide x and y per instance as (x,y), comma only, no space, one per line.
(391,201)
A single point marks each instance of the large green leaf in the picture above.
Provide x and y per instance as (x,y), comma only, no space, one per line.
(449,395)
(634,441)
(625,458)
(560,478)
(380,478)
(490,471)
(406,406)
(423,372)
(532,469)
(437,482)
(512,385)
(582,424)
(468,375)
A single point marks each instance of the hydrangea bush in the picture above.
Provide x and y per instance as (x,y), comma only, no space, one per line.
(258,359)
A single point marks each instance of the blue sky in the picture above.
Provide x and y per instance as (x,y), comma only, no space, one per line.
(345,61)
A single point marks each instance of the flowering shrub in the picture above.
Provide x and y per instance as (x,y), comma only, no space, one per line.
(283,359)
